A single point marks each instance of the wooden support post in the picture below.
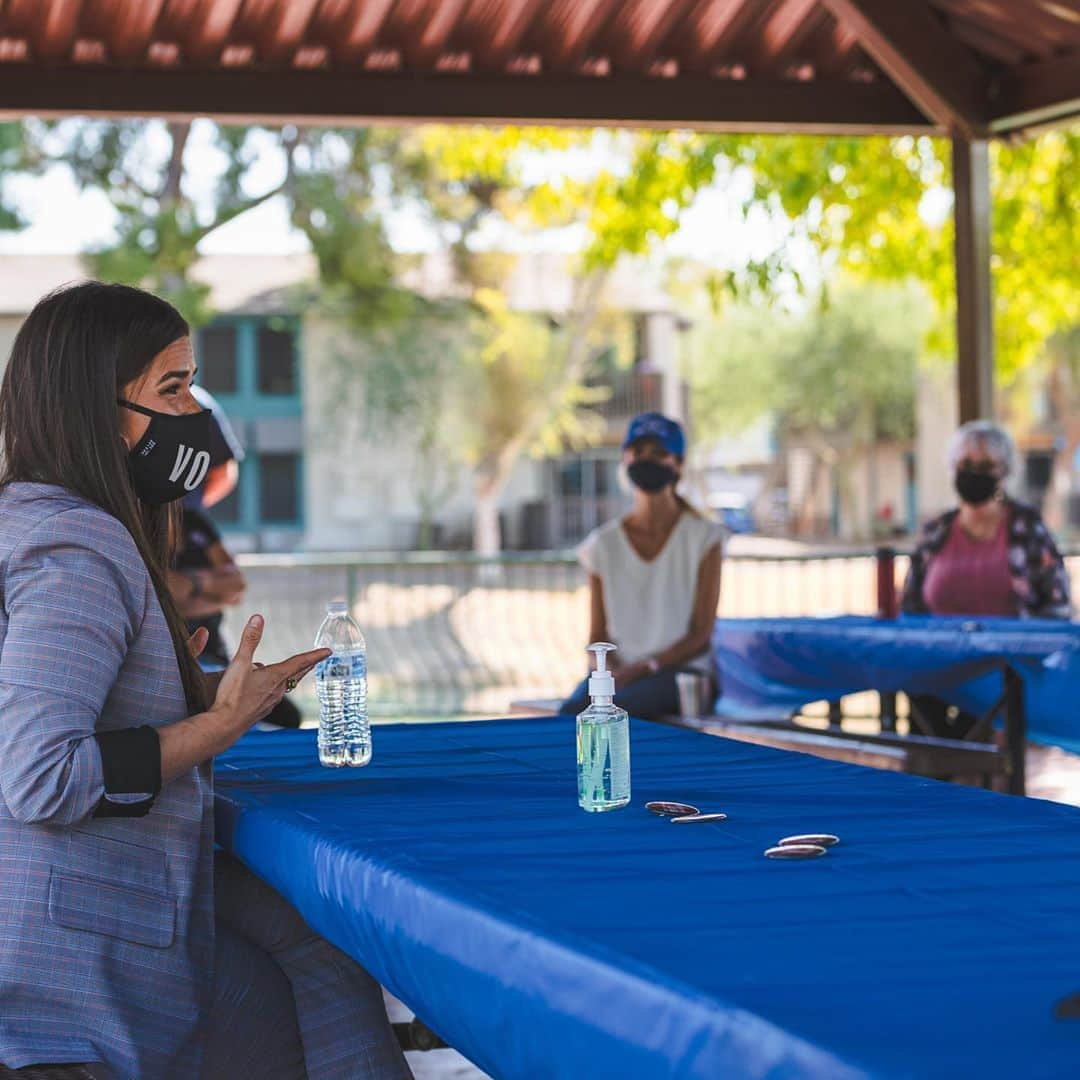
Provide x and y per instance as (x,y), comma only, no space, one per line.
(1015,731)
(974,311)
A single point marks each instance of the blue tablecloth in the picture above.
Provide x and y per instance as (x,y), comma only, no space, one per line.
(771,665)
(546,942)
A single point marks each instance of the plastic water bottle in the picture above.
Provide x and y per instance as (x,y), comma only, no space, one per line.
(341,683)
(603,742)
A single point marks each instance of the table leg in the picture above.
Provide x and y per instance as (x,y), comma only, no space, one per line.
(1015,731)
(836,714)
(888,711)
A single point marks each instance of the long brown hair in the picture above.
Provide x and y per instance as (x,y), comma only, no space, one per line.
(58,415)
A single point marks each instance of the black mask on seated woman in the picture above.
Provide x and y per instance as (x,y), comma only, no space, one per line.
(975,487)
(651,476)
(172,458)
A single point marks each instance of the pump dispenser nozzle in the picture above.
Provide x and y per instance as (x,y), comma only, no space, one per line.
(601,682)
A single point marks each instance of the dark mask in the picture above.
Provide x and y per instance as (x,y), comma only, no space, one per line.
(651,476)
(976,488)
(172,458)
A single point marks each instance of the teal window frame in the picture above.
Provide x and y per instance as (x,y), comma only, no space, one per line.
(248,405)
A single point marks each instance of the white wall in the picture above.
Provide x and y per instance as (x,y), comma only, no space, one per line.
(936,420)
(9,327)
(361,491)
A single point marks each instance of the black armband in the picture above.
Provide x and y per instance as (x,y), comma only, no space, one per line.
(131,764)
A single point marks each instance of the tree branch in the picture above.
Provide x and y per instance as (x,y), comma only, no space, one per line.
(179,131)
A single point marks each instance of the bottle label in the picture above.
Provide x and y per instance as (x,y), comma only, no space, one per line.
(342,666)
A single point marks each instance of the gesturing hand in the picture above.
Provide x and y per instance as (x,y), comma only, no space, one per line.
(248,691)
(198,642)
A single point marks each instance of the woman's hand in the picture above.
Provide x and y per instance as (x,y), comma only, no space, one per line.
(198,642)
(630,673)
(248,691)
(243,693)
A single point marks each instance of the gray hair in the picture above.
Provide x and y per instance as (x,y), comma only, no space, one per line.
(993,438)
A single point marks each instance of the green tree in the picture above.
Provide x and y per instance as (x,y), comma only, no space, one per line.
(838,378)
(880,209)
(522,377)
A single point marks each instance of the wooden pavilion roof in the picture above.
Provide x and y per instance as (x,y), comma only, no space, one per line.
(973,68)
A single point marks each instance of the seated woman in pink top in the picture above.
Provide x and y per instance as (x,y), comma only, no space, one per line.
(989,556)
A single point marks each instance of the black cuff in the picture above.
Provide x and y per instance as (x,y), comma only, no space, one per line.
(131,763)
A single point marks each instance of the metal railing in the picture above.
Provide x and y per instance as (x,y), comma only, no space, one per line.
(453,634)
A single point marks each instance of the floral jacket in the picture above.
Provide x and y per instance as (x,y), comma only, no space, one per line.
(1039,579)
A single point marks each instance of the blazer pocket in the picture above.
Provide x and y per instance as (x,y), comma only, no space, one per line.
(141,916)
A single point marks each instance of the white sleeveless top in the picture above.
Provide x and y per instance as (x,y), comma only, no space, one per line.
(649,604)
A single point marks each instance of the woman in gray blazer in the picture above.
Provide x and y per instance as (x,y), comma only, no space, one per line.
(124,944)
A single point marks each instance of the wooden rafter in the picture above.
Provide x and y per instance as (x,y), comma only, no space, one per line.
(1003,19)
(132,29)
(205,37)
(1043,93)
(826,106)
(494,52)
(350,28)
(429,35)
(834,48)
(984,40)
(785,25)
(51,32)
(570,28)
(659,44)
(636,30)
(713,49)
(284,30)
(910,43)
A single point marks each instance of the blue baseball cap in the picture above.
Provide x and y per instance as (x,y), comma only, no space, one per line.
(653,425)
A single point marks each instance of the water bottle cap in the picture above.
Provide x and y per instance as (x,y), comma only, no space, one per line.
(337,607)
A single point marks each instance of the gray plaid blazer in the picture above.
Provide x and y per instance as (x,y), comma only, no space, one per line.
(106,924)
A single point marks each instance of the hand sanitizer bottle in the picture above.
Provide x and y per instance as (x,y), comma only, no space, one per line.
(603,742)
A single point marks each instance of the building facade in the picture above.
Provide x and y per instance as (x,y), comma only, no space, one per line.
(313,478)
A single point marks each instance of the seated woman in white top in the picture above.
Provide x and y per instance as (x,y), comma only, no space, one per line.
(654,577)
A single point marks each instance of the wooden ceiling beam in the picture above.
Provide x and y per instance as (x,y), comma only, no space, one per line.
(283,30)
(637,34)
(978,36)
(131,30)
(1036,95)
(428,35)
(720,23)
(911,45)
(833,49)
(350,28)
(569,31)
(51,32)
(493,51)
(788,24)
(208,31)
(313,96)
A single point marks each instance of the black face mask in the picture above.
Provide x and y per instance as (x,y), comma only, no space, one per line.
(976,488)
(172,458)
(651,476)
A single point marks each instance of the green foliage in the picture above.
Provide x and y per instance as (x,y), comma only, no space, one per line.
(881,209)
(12,154)
(842,373)
(878,209)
